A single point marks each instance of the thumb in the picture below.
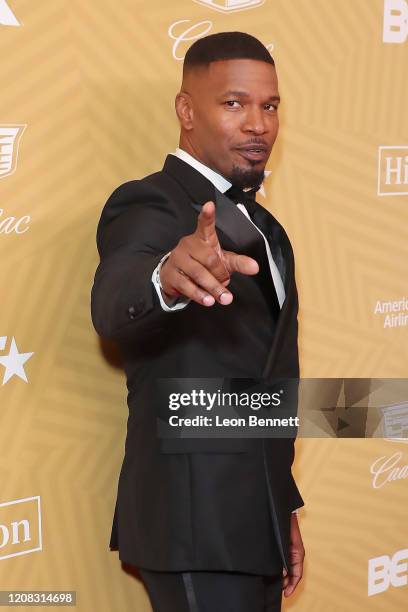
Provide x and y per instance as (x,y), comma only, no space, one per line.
(240,263)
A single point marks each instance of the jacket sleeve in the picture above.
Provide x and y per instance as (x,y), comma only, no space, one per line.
(138,225)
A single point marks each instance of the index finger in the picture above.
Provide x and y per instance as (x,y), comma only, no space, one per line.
(206,224)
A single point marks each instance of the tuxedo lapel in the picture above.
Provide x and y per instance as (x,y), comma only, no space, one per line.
(242,231)
(198,187)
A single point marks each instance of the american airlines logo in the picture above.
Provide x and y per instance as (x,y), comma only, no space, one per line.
(395,26)
(225,6)
(7,16)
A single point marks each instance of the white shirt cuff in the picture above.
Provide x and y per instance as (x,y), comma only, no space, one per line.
(177,303)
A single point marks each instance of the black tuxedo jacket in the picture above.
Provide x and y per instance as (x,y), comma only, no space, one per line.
(194,504)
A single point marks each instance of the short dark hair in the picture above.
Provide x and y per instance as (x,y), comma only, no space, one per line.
(225,46)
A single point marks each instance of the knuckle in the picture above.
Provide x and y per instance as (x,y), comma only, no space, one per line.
(217,289)
(212,260)
(177,252)
(224,275)
(183,286)
(184,241)
(198,295)
(192,242)
(194,274)
(222,272)
(176,285)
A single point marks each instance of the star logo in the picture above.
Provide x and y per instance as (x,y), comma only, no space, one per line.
(7,16)
(14,361)
(261,190)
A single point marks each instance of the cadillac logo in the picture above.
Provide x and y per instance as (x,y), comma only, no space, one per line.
(9,140)
(226,6)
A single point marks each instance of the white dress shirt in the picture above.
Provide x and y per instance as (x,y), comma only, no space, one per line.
(222,184)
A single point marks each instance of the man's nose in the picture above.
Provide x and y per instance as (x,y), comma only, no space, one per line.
(255,120)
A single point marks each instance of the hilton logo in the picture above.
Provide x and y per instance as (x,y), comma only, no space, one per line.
(393,171)
(7,16)
(20,527)
(226,6)
(395,28)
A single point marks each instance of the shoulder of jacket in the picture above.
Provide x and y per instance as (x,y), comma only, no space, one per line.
(158,185)
(151,190)
(136,187)
(155,196)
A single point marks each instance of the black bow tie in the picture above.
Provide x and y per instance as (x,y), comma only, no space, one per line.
(247,198)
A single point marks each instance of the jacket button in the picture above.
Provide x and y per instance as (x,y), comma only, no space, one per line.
(132,312)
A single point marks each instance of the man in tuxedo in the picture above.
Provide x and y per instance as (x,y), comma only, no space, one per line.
(197,280)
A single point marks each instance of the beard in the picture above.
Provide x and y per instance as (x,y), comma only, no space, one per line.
(246,178)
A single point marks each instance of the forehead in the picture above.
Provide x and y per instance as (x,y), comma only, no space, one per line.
(253,76)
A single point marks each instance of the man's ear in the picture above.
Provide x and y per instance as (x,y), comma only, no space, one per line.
(184,110)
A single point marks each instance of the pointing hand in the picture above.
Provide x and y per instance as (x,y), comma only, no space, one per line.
(199,269)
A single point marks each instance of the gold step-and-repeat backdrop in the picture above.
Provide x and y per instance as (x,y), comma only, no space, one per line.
(87,93)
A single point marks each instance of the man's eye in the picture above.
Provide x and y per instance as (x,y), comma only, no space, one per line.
(230,104)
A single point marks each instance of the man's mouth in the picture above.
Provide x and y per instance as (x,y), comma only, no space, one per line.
(253,152)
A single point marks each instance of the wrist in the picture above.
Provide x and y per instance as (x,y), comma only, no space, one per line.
(168,298)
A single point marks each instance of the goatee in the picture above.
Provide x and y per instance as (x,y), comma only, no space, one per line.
(246,178)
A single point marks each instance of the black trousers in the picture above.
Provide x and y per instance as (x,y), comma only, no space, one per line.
(207,591)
